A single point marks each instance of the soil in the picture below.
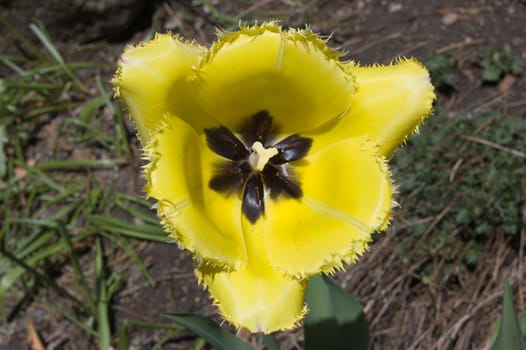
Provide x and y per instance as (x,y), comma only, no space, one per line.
(404,312)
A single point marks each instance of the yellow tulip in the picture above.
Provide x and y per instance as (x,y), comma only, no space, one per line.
(267,156)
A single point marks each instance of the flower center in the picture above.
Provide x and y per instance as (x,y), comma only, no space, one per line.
(261,155)
(260,171)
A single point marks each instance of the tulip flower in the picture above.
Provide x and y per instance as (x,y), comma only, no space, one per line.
(267,156)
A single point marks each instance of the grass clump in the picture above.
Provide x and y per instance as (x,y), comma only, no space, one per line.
(62,147)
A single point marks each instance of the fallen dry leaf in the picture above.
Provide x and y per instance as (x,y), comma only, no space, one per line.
(506,83)
(450,18)
(20,172)
(34,340)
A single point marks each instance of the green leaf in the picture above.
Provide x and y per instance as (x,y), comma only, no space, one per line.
(44,38)
(522,323)
(103,317)
(3,158)
(335,320)
(210,331)
(509,335)
(270,341)
(145,231)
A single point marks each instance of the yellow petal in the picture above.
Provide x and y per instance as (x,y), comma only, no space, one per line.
(151,80)
(390,103)
(202,221)
(347,195)
(256,297)
(293,75)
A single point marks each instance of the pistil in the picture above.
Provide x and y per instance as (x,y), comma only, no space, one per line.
(261,155)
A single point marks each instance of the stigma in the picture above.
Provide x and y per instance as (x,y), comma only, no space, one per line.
(261,155)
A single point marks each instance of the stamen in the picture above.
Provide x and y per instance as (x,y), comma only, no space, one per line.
(262,155)
(292,148)
(256,173)
(223,142)
(253,205)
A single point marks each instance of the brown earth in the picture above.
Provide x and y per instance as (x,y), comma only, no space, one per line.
(404,312)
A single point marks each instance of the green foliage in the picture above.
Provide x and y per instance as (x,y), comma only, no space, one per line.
(335,319)
(494,62)
(55,211)
(442,68)
(218,337)
(460,183)
(511,333)
(498,61)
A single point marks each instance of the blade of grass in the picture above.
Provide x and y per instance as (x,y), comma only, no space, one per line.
(113,283)
(134,199)
(80,164)
(50,221)
(74,259)
(199,344)
(90,107)
(147,232)
(128,249)
(39,175)
(34,51)
(164,339)
(42,278)
(128,323)
(33,243)
(71,318)
(13,275)
(152,325)
(48,68)
(3,141)
(14,58)
(220,16)
(50,200)
(44,38)
(102,300)
(146,217)
(30,196)
(121,128)
(90,132)
(16,68)
(36,112)
(124,339)
(32,85)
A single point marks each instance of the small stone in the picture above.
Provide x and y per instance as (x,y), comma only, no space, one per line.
(506,84)
(450,18)
(394,7)
(20,172)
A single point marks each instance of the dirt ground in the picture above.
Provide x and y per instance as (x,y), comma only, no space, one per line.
(403,312)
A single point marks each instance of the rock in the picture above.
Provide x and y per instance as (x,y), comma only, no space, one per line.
(449,18)
(81,20)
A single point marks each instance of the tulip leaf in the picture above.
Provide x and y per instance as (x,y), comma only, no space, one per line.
(335,320)
(218,337)
(522,323)
(509,335)
(271,342)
